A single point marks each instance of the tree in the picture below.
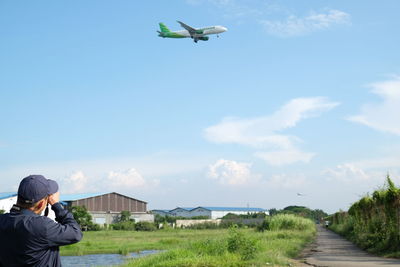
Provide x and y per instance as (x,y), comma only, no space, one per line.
(83,218)
(2,211)
(125,216)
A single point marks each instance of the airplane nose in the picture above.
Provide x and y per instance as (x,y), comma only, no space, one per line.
(224,29)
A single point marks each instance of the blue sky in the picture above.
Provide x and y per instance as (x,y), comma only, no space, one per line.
(296,97)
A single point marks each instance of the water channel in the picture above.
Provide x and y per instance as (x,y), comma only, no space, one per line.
(102,259)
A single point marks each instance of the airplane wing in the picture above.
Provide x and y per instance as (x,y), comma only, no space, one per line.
(191,30)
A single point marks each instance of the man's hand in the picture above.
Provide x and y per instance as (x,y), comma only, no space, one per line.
(54,198)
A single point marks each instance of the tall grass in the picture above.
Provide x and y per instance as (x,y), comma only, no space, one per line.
(214,247)
(289,222)
(240,247)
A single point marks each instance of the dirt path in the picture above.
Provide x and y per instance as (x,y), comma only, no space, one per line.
(332,250)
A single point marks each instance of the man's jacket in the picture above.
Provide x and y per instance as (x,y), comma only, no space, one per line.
(28,239)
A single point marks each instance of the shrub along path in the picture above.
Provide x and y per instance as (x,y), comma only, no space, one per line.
(333,250)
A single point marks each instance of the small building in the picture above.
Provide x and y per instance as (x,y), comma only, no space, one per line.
(181,212)
(210,212)
(106,208)
(7,200)
(219,212)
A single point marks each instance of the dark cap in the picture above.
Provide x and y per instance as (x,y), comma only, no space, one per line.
(35,187)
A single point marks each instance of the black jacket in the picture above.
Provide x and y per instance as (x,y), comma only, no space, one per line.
(28,239)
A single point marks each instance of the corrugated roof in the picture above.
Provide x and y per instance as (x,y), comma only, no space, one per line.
(73,197)
(183,208)
(7,195)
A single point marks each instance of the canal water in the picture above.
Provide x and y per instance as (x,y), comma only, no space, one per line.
(102,259)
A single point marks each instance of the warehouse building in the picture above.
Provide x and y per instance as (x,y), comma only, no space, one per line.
(105,208)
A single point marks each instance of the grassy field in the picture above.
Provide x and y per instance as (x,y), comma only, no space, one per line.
(217,247)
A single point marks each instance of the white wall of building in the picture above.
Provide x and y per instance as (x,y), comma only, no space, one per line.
(7,203)
(219,214)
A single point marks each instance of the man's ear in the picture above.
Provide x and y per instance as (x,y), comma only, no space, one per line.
(40,204)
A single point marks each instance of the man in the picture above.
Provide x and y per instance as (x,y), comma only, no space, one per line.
(29,239)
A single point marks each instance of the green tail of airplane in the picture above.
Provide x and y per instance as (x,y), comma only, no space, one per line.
(163,28)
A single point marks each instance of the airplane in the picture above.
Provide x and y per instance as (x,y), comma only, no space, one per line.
(195,34)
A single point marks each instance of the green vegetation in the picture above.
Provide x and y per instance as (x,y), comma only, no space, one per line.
(217,247)
(2,211)
(84,219)
(373,222)
(238,247)
(315,215)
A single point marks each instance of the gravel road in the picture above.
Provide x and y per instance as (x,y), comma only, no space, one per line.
(332,250)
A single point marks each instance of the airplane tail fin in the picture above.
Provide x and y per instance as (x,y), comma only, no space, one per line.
(163,28)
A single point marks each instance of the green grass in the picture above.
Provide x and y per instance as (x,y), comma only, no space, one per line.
(99,242)
(196,248)
(272,248)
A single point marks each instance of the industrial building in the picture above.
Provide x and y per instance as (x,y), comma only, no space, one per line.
(210,212)
(105,208)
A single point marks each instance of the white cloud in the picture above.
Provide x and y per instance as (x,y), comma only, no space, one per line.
(386,163)
(229,172)
(263,132)
(296,26)
(75,183)
(284,157)
(383,116)
(126,179)
(346,172)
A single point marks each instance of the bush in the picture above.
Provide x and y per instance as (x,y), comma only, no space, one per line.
(265,225)
(238,242)
(2,211)
(204,225)
(126,225)
(290,222)
(145,226)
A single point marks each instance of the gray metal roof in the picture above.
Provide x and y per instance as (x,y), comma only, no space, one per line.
(73,197)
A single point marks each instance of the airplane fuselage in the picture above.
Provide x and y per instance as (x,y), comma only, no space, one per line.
(201,32)
(188,32)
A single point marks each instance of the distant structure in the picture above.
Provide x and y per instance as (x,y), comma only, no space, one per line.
(103,207)
(7,200)
(210,212)
(106,208)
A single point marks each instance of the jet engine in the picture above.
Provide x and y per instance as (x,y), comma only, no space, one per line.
(204,38)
